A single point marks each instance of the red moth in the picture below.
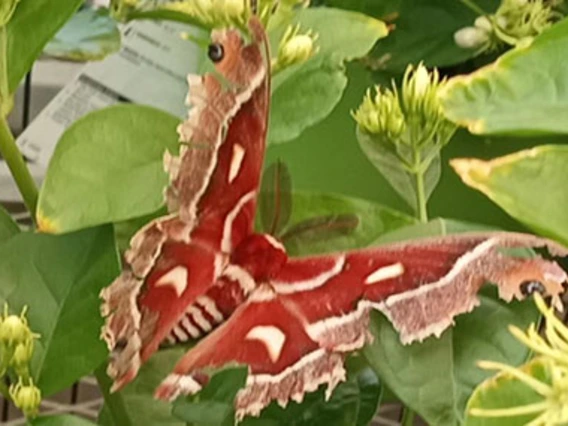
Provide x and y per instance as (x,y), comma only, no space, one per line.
(202,269)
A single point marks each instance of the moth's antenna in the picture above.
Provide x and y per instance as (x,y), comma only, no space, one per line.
(254,6)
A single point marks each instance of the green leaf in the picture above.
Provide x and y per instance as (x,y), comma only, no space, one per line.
(33,24)
(135,404)
(62,420)
(424,31)
(213,406)
(378,9)
(370,396)
(107,167)
(59,279)
(505,391)
(370,220)
(275,199)
(389,165)
(8,228)
(89,35)
(305,94)
(515,182)
(350,403)
(522,92)
(435,378)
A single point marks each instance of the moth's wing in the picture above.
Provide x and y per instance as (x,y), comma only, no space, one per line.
(419,285)
(217,175)
(266,334)
(294,332)
(175,261)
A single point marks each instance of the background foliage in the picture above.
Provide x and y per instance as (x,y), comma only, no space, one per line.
(105,181)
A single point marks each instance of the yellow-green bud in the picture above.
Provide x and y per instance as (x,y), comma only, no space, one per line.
(234,8)
(295,47)
(471,37)
(26,397)
(381,114)
(483,23)
(7,8)
(298,48)
(22,357)
(14,330)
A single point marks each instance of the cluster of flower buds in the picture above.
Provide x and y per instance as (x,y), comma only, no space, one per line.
(210,13)
(515,22)
(294,48)
(7,8)
(408,119)
(551,348)
(214,13)
(16,350)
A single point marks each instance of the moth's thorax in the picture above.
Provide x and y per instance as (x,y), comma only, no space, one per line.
(261,255)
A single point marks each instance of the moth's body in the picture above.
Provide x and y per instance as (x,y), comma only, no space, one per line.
(202,271)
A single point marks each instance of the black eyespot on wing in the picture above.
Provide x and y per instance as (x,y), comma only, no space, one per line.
(531,287)
(216,52)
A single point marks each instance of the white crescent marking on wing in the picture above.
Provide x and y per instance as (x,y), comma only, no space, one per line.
(272,337)
(226,243)
(385,273)
(312,283)
(176,278)
(236,161)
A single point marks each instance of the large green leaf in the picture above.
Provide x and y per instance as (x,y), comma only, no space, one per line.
(436,377)
(89,35)
(523,91)
(327,222)
(62,420)
(8,228)
(388,163)
(305,94)
(135,404)
(505,391)
(33,24)
(107,167)
(214,405)
(529,185)
(59,279)
(424,31)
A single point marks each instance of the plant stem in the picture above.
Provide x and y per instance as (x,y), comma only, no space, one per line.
(407,417)
(4,390)
(421,197)
(470,4)
(420,188)
(18,167)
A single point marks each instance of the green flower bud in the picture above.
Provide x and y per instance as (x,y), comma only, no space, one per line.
(26,397)
(234,8)
(381,114)
(14,330)
(22,357)
(471,37)
(483,23)
(7,8)
(294,48)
